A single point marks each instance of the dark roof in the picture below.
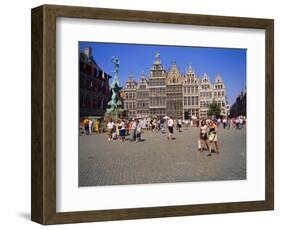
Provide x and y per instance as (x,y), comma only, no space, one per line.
(87,60)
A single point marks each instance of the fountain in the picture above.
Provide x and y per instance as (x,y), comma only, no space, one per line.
(115,105)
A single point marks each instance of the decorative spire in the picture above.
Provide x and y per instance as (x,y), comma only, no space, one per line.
(190,68)
(205,77)
(131,77)
(157,59)
(174,69)
(218,78)
(157,55)
(142,74)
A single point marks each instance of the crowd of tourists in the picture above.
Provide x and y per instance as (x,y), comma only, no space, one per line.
(135,127)
(132,129)
(121,128)
(88,126)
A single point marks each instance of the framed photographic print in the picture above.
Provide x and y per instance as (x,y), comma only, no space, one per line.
(139,114)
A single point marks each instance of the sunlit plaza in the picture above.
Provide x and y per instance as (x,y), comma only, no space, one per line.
(156,160)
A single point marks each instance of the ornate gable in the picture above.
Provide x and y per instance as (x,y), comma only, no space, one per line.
(205,79)
(131,84)
(143,83)
(190,76)
(174,75)
(218,79)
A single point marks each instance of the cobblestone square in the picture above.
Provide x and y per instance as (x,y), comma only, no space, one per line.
(157,160)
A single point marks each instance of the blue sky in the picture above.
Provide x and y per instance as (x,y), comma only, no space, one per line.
(229,63)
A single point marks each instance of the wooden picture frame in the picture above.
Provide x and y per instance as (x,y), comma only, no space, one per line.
(43,206)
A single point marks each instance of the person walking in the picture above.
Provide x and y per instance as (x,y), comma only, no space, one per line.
(236,122)
(180,125)
(241,122)
(117,130)
(153,125)
(90,126)
(138,130)
(133,130)
(86,126)
(122,131)
(170,128)
(218,122)
(110,127)
(97,126)
(203,136)
(128,127)
(224,122)
(161,124)
(213,137)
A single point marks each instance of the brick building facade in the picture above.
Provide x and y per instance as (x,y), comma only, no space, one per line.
(94,91)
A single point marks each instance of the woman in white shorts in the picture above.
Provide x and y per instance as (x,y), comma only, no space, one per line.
(213,137)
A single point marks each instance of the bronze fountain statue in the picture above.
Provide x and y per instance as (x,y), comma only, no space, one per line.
(115,104)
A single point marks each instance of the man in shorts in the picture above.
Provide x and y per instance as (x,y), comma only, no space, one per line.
(110,127)
(170,128)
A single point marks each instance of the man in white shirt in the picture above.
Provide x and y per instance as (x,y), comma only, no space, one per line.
(180,124)
(170,128)
(110,127)
(240,123)
(224,122)
(133,130)
(122,130)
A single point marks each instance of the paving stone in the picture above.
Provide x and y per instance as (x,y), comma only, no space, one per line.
(157,160)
